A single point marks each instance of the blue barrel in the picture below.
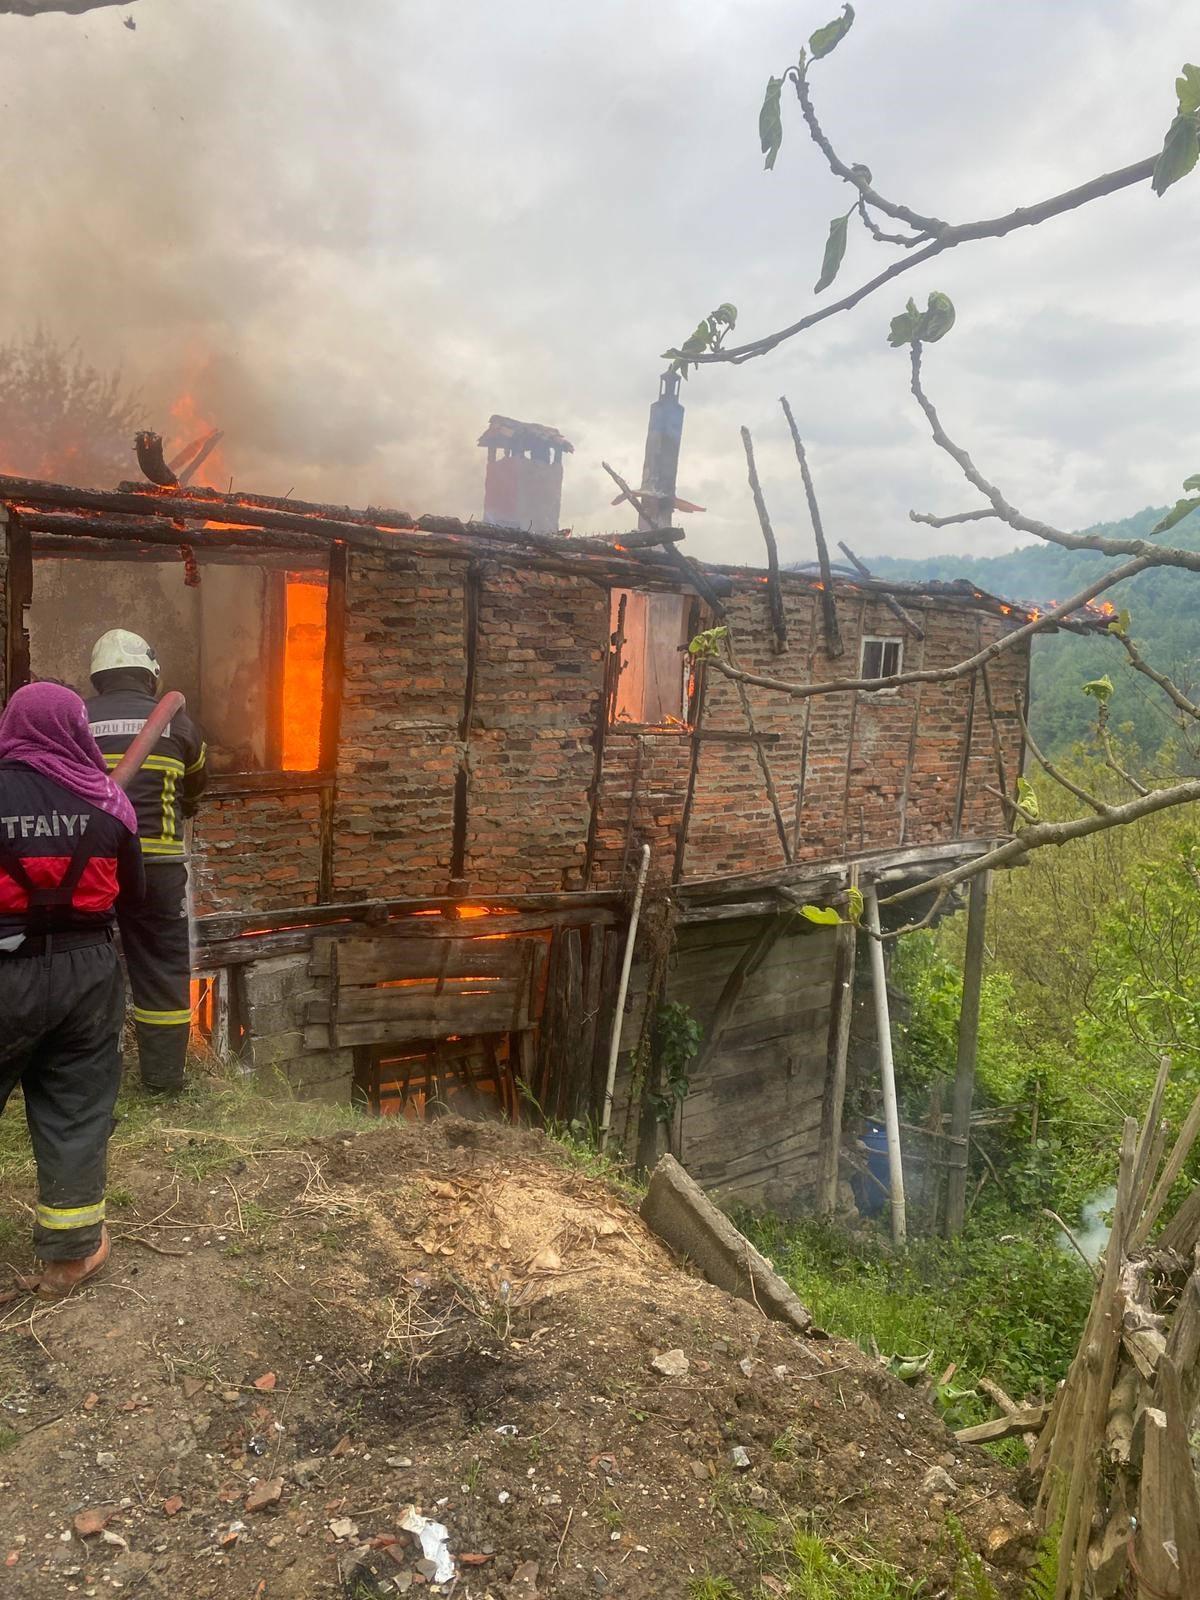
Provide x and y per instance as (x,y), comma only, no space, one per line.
(869,1197)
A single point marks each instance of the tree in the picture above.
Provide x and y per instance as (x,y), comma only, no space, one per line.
(62,418)
(920,239)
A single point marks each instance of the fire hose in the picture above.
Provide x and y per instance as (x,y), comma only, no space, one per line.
(130,765)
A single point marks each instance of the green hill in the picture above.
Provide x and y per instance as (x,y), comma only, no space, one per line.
(1164,606)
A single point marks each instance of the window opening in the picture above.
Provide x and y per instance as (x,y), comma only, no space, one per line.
(471,1077)
(652,676)
(881,658)
(303,672)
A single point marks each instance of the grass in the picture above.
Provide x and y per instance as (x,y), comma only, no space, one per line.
(804,1566)
(1000,1304)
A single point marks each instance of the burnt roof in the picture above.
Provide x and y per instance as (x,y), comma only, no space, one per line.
(509,432)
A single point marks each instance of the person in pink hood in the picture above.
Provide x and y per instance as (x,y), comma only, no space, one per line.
(68,847)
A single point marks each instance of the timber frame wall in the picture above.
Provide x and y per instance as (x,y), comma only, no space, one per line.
(468,766)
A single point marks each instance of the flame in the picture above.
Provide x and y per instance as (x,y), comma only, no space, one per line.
(303,673)
(189,425)
(472,911)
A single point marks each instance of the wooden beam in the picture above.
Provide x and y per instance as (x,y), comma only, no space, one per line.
(472,597)
(689,798)
(18,598)
(960,799)
(968,1050)
(1026,1419)
(833,637)
(841,1014)
(889,601)
(774,588)
(333,676)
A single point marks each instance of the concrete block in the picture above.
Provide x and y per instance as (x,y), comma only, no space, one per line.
(683,1217)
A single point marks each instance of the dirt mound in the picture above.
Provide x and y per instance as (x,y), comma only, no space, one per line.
(296,1345)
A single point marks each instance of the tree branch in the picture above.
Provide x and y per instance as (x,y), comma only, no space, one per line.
(833,636)
(931,521)
(1098,806)
(1154,555)
(1041,834)
(1175,694)
(38,8)
(991,228)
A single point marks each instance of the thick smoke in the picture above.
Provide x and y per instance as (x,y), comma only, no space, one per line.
(350,233)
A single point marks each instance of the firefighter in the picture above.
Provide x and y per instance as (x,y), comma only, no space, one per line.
(68,845)
(165,793)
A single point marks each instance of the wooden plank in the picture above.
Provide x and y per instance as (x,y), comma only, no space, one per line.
(472,595)
(364,961)
(326,830)
(689,799)
(19,597)
(1026,1419)
(391,1016)
(960,799)
(226,925)
(333,667)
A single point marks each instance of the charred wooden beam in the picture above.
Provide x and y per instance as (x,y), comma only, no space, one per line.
(833,637)
(889,601)
(195,462)
(687,570)
(161,530)
(774,587)
(149,447)
(18,596)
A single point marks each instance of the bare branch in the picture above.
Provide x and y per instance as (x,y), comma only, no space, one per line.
(1111,762)
(929,227)
(992,228)
(1060,777)
(1041,834)
(959,516)
(1175,694)
(1155,555)
(908,240)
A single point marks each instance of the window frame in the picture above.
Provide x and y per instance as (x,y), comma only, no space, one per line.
(684,718)
(883,640)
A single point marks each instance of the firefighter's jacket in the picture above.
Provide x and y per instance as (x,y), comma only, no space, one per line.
(167,790)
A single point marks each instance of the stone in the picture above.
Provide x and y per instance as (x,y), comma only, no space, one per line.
(740,1457)
(93,1521)
(671,1364)
(265,1494)
(938,1481)
(306,1471)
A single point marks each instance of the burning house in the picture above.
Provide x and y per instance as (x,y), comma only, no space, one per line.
(441,750)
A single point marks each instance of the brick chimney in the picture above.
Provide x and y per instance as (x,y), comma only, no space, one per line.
(523,488)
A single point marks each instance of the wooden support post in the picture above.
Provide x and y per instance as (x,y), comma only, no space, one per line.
(774,585)
(887,1071)
(19,598)
(968,1046)
(841,1014)
(833,637)
(889,601)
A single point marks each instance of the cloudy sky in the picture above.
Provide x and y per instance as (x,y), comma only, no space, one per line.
(352,232)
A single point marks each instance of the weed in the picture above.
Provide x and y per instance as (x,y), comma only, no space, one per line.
(712,1588)
(120,1197)
(8,1438)
(472,1475)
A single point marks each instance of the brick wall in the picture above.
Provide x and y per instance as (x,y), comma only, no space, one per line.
(259,852)
(840,763)
(542,642)
(401,707)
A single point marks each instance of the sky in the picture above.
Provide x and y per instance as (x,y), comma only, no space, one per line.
(348,234)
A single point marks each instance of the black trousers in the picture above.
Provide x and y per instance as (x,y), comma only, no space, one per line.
(60,1039)
(154,940)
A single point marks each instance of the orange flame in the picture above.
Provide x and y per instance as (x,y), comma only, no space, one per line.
(303,673)
(189,426)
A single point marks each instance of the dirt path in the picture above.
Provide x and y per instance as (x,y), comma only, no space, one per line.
(306,1342)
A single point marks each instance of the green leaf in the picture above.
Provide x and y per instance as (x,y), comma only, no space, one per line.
(1180,152)
(937,320)
(1193,482)
(1027,800)
(854,904)
(1100,689)
(1178,511)
(708,643)
(1188,89)
(1120,624)
(823,916)
(828,38)
(835,249)
(904,326)
(770,122)
(929,326)
(725,313)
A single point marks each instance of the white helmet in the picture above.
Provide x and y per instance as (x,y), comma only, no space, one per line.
(119,648)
